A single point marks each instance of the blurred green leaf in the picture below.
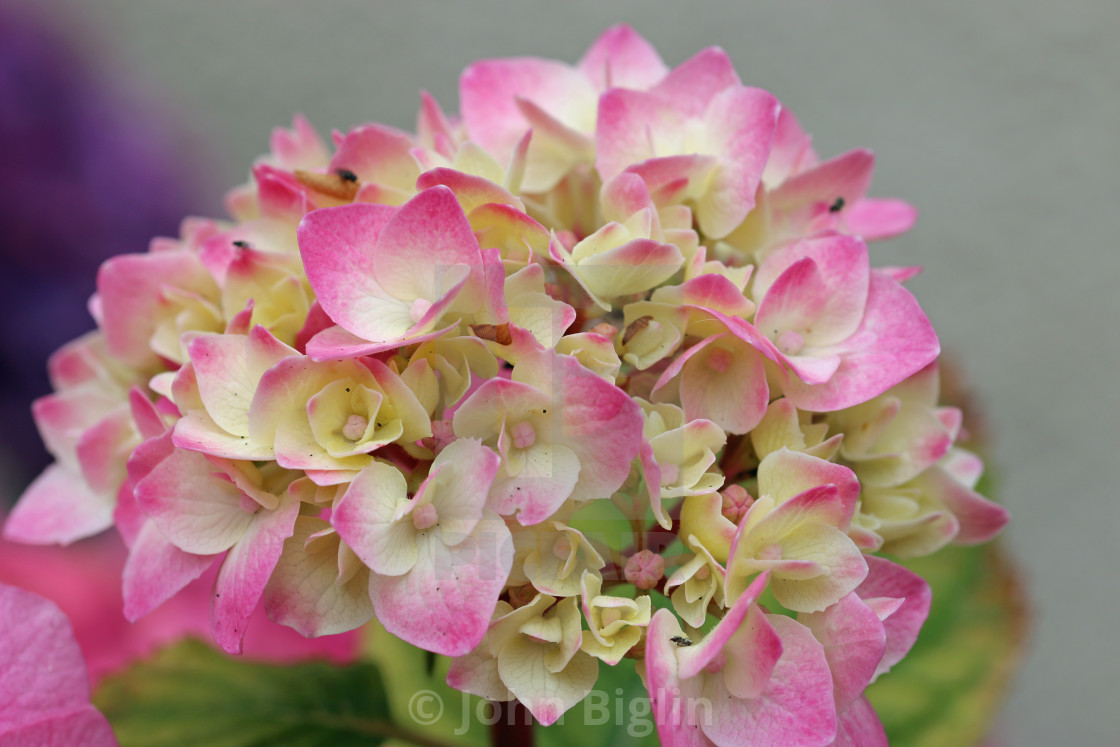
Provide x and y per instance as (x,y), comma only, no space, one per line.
(948,689)
(190,695)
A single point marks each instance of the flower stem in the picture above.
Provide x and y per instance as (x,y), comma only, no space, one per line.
(513,726)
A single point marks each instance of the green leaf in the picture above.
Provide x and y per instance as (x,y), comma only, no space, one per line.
(947,689)
(190,695)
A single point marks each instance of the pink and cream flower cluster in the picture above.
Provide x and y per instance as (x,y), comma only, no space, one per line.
(425,376)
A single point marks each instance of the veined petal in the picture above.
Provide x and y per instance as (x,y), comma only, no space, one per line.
(246,570)
(444,603)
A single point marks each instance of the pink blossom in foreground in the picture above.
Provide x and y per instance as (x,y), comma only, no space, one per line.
(44,694)
(559,383)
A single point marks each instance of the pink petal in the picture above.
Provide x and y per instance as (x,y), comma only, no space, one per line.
(846,176)
(621,58)
(795,710)
(306,591)
(58,508)
(860,727)
(378,154)
(887,580)
(246,570)
(196,511)
(894,340)
(338,246)
(741,124)
(157,570)
(130,287)
(697,657)
(622,137)
(876,219)
(792,151)
(44,692)
(599,422)
(854,641)
(471,191)
(488,92)
(980,519)
(691,86)
(784,474)
(833,294)
(445,602)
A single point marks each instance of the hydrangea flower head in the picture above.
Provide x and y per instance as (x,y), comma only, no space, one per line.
(411,376)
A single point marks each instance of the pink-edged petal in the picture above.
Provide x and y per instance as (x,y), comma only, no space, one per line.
(472,191)
(741,124)
(860,727)
(131,289)
(795,710)
(828,278)
(246,570)
(690,86)
(621,58)
(622,134)
(725,384)
(876,219)
(445,602)
(378,154)
(846,176)
(58,508)
(44,690)
(466,471)
(422,245)
(196,511)
(792,151)
(85,726)
(369,516)
(549,475)
(697,657)
(599,422)
(887,580)
(980,519)
(488,92)
(784,474)
(156,570)
(854,641)
(103,451)
(307,591)
(228,368)
(751,655)
(335,344)
(894,340)
(714,292)
(338,250)
(432,126)
(678,725)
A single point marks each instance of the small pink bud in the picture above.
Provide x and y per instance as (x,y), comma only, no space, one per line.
(736,501)
(425,517)
(523,435)
(354,428)
(644,569)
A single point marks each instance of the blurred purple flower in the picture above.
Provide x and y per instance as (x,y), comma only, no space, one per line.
(84,176)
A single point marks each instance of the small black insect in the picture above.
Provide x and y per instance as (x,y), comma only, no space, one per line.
(837,206)
(346,175)
(240,244)
(680,640)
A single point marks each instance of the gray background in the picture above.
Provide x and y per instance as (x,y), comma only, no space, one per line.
(999,120)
